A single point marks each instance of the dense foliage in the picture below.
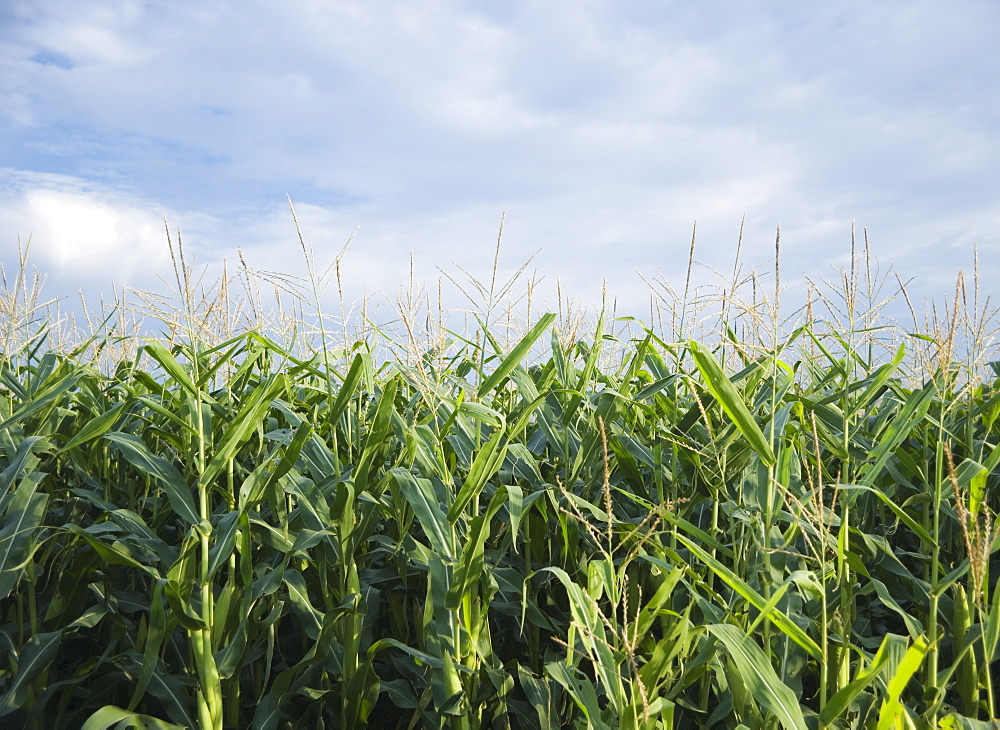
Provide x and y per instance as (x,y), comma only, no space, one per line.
(603,532)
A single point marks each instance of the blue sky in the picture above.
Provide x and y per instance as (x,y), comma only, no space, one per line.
(603,130)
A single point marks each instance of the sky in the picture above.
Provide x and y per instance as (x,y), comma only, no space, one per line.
(600,130)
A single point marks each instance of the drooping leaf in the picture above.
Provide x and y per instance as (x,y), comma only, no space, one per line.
(176,488)
(731,401)
(761,679)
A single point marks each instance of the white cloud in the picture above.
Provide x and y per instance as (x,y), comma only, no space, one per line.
(81,235)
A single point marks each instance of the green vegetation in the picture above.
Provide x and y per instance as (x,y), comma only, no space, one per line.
(784,524)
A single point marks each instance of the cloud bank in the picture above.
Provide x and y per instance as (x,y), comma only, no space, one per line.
(602,130)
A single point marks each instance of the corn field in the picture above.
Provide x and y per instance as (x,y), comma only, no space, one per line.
(633,527)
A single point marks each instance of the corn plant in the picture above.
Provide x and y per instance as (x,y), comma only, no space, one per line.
(215,526)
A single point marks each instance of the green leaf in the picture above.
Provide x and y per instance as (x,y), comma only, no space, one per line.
(35,657)
(156,634)
(111,715)
(264,477)
(878,379)
(960,722)
(309,617)
(790,628)
(893,709)
(913,624)
(352,381)
(421,656)
(246,422)
(539,695)
(115,554)
(731,401)
(896,510)
(972,476)
(178,491)
(43,399)
(420,494)
(170,365)
(582,690)
(470,565)
(913,412)
(23,462)
(182,611)
(761,679)
(24,513)
(268,711)
(225,540)
(485,465)
(375,440)
(516,355)
(842,699)
(95,427)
